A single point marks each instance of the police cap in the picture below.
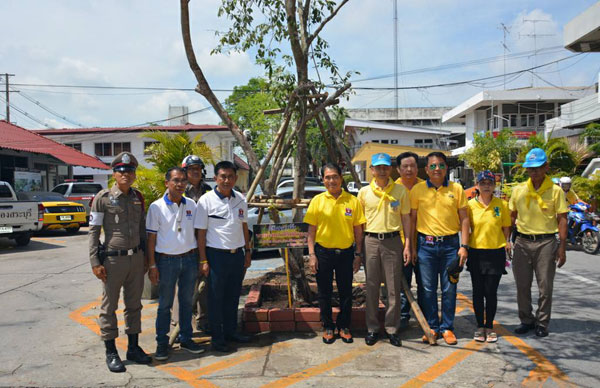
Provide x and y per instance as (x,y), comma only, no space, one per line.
(125,161)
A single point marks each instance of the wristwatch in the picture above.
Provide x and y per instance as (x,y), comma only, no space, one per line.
(359,254)
(464,246)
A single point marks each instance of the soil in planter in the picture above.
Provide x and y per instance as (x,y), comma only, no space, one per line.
(277,297)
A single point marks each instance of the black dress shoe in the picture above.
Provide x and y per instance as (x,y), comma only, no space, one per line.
(239,338)
(114,363)
(395,339)
(541,331)
(220,347)
(371,338)
(138,356)
(524,328)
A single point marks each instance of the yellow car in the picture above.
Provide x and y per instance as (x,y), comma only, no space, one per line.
(58,213)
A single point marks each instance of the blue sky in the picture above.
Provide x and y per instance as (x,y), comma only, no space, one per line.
(138,43)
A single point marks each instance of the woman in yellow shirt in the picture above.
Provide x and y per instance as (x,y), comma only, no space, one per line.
(488,244)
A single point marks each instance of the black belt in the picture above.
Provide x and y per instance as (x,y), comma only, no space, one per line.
(122,252)
(191,251)
(534,237)
(383,236)
(232,251)
(337,251)
(440,238)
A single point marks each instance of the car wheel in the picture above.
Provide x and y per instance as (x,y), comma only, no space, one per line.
(73,230)
(23,240)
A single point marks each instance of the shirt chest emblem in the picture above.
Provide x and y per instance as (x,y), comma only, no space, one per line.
(450,195)
(348,212)
(188,214)
(240,213)
(496,211)
(395,204)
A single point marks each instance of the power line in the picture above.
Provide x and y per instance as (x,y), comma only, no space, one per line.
(24,113)
(47,109)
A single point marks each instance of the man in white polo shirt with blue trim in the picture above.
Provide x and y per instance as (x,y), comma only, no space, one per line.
(173,260)
(221,220)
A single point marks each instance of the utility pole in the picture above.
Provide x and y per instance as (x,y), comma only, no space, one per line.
(6,82)
(396,56)
(534,35)
(505,31)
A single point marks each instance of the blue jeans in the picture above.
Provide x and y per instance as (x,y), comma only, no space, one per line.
(181,271)
(433,264)
(224,286)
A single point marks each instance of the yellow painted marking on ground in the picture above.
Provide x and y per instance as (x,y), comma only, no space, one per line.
(86,321)
(49,239)
(185,375)
(322,368)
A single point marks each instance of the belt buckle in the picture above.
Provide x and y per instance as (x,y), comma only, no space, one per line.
(232,250)
(130,252)
(439,239)
(533,237)
(380,236)
(338,251)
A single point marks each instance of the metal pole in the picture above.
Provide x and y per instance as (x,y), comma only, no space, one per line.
(396,56)
(7,98)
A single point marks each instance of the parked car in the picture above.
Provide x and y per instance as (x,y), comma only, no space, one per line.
(289,182)
(58,212)
(18,218)
(352,187)
(80,192)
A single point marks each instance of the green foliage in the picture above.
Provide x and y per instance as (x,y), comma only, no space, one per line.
(149,182)
(314,139)
(169,150)
(246,105)
(587,189)
(563,160)
(592,131)
(489,152)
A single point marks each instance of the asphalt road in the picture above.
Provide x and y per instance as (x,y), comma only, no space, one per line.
(48,336)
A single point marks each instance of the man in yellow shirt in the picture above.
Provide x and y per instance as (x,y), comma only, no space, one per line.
(407,164)
(438,213)
(387,211)
(570,195)
(335,236)
(539,209)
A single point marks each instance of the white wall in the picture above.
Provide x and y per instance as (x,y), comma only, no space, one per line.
(404,138)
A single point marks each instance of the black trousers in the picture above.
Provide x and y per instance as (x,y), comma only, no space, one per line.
(329,261)
(485,286)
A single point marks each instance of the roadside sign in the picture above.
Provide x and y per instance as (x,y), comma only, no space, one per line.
(288,235)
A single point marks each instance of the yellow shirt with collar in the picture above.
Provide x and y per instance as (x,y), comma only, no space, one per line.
(389,217)
(571,197)
(437,209)
(532,219)
(335,219)
(487,222)
(399,181)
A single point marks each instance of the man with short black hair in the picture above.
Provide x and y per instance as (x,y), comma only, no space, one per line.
(173,260)
(224,249)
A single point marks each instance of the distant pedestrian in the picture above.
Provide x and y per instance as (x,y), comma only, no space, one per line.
(173,260)
(407,164)
(224,249)
(539,209)
(335,220)
(119,211)
(438,214)
(387,210)
(489,245)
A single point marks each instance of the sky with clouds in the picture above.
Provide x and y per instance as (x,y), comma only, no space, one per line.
(138,43)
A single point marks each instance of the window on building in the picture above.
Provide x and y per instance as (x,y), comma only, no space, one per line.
(103,149)
(121,147)
(77,146)
(375,141)
(424,143)
(148,144)
(394,141)
(385,141)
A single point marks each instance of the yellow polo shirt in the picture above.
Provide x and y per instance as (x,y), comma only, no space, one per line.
(437,209)
(532,219)
(399,181)
(335,219)
(487,222)
(389,217)
(571,197)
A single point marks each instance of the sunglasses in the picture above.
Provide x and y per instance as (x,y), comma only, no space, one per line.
(433,166)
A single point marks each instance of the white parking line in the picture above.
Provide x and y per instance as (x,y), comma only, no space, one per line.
(578,277)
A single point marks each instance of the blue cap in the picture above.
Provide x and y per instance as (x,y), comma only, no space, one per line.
(535,158)
(486,175)
(381,159)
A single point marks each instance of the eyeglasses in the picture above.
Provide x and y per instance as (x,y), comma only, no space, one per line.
(433,166)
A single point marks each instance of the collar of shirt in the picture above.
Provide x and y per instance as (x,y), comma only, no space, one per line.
(169,202)
(116,192)
(329,195)
(221,196)
(430,185)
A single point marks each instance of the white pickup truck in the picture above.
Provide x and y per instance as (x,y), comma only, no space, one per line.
(18,219)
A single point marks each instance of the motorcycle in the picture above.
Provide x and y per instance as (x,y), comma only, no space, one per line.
(581,229)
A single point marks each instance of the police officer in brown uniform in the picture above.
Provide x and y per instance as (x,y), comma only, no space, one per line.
(120,212)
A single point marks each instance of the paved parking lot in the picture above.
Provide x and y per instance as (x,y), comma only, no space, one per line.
(49,334)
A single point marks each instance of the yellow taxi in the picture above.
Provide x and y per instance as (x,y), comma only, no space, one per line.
(58,213)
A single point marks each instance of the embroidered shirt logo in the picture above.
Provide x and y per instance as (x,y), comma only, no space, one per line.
(188,214)
(348,212)
(497,211)
(240,213)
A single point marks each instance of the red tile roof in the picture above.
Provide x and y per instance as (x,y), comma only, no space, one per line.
(240,163)
(16,138)
(174,128)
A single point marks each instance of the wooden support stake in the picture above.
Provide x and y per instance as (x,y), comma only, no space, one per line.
(287,274)
(417,311)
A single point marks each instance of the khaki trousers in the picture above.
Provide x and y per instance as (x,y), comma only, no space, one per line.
(125,272)
(383,262)
(535,257)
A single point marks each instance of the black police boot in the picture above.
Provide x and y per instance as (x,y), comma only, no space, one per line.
(135,353)
(113,361)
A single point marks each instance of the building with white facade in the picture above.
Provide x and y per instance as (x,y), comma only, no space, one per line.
(106,143)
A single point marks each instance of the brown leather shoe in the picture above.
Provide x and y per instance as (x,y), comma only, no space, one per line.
(328,336)
(435,337)
(449,337)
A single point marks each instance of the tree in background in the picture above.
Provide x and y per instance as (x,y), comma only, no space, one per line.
(489,152)
(592,131)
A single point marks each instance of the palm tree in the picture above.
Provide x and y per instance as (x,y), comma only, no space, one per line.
(169,150)
(563,157)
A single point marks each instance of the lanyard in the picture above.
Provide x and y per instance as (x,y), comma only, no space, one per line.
(179,216)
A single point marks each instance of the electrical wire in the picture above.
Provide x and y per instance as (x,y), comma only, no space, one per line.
(47,109)
(24,113)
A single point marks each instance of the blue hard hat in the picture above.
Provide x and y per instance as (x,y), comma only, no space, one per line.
(381,159)
(535,158)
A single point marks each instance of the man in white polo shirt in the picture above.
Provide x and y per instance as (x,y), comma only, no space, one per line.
(173,260)
(221,220)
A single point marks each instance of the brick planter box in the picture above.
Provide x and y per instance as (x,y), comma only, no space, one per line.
(302,319)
